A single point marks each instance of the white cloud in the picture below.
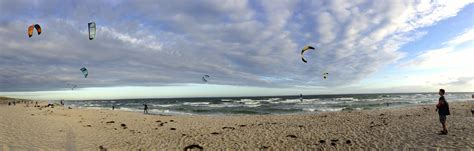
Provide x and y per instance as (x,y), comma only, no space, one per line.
(238,42)
(444,58)
(467,36)
(447,67)
(139,42)
(449,56)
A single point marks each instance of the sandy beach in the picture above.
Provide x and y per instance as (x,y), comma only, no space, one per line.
(60,128)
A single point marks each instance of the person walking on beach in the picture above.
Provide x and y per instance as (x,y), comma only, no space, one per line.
(145,110)
(443,109)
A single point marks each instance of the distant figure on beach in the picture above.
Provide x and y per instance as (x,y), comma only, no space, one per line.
(145,110)
(113,107)
(14,103)
(443,109)
(62,103)
(9,103)
(301,97)
(36,104)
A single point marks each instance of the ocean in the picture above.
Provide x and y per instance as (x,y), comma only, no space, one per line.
(309,104)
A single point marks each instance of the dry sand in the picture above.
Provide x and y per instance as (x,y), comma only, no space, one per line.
(32,128)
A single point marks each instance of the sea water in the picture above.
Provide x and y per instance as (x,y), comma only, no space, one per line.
(269,104)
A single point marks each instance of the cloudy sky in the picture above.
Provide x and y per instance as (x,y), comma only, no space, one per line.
(162,48)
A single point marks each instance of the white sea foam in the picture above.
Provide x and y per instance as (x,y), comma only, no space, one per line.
(330,109)
(309,109)
(164,105)
(224,105)
(346,99)
(291,101)
(130,109)
(249,102)
(197,103)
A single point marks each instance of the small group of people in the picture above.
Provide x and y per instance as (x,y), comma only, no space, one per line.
(145,109)
(10,103)
(25,102)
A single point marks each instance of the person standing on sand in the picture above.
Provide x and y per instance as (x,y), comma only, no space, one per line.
(145,110)
(443,109)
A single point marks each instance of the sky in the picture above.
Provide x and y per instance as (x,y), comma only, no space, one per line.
(159,49)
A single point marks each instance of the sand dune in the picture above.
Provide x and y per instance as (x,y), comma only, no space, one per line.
(26,128)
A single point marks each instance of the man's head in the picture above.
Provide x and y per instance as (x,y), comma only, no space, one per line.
(441,92)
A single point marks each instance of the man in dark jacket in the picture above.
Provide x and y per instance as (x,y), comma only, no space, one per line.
(443,109)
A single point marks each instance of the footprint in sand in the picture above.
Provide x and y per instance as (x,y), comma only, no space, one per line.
(348,142)
(123,126)
(231,128)
(192,147)
(214,133)
(292,136)
(322,141)
(173,129)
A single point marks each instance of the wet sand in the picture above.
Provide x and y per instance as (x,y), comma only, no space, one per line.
(59,128)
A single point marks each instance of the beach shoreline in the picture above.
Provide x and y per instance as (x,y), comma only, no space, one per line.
(60,128)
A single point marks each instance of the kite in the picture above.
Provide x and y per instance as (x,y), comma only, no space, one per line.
(33,27)
(204,78)
(84,71)
(71,85)
(91,30)
(303,50)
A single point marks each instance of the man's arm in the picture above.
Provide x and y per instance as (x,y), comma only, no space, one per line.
(439,105)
